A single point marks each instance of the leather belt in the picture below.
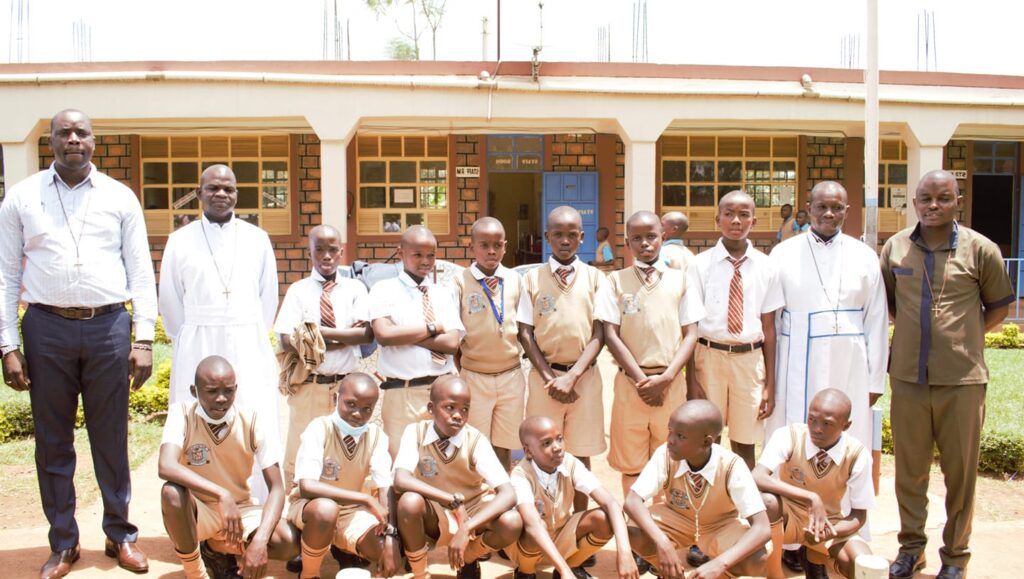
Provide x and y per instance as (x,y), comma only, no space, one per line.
(79,313)
(565,367)
(731,348)
(391,383)
(325,378)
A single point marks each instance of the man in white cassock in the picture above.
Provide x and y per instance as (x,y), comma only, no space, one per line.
(218,296)
(833,330)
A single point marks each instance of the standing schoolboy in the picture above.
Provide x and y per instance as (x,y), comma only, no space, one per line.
(604,257)
(709,499)
(206,456)
(804,473)
(416,322)
(339,453)
(338,306)
(488,295)
(453,491)
(673,252)
(650,321)
(735,356)
(562,338)
(545,483)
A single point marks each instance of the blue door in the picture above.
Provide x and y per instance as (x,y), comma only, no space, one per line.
(578,190)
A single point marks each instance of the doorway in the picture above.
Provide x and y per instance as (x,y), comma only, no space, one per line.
(514,199)
(994,206)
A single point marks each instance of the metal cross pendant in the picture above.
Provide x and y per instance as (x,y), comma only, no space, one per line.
(77,264)
(936,310)
(227,293)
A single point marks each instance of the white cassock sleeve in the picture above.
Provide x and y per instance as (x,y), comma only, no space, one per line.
(268,283)
(172,290)
(876,331)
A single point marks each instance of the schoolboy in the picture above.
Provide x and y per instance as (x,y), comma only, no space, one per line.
(562,338)
(545,482)
(206,456)
(673,252)
(416,322)
(650,327)
(488,295)
(339,452)
(604,257)
(338,306)
(709,499)
(452,489)
(735,355)
(804,473)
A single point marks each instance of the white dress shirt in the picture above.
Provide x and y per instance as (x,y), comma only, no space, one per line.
(709,277)
(487,464)
(607,309)
(524,313)
(268,451)
(859,489)
(309,462)
(399,299)
(742,488)
(349,299)
(583,481)
(113,249)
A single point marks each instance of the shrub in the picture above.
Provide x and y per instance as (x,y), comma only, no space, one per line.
(1009,338)
(16,419)
(161,334)
(1001,452)
(154,395)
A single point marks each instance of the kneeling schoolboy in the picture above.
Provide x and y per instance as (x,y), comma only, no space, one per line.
(545,483)
(805,472)
(710,500)
(206,456)
(445,471)
(337,454)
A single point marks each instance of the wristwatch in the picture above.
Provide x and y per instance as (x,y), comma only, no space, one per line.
(391,531)
(432,328)
(457,500)
(4,350)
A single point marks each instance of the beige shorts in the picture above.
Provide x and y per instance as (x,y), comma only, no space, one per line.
(713,541)
(400,408)
(565,541)
(793,533)
(582,422)
(446,523)
(209,527)
(636,428)
(307,402)
(498,405)
(734,382)
(353,524)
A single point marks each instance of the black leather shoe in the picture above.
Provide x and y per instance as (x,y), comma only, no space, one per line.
(219,565)
(294,565)
(589,562)
(695,557)
(815,571)
(794,560)
(951,572)
(577,573)
(469,571)
(520,575)
(906,566)
(642,566)
(348,560)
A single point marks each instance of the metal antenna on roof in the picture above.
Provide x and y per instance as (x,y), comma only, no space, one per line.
(926,25)
(535,62)
(19,43)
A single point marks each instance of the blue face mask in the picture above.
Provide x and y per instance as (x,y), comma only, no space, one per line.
(347,429)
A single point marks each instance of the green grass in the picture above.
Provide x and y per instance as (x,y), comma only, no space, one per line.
(1004,400)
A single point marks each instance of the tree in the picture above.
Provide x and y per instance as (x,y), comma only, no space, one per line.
(382,7)
(433,12)
(401,49)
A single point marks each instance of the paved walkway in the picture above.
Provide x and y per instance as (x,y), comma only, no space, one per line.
(997,552)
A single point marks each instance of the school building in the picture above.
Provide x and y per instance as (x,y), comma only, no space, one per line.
(373,147)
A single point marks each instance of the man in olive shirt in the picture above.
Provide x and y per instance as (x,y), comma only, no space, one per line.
(946,286)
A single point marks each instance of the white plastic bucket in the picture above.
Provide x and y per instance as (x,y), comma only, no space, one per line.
(870,567)
(353,573)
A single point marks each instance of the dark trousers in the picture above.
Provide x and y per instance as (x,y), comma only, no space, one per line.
(951,418)
(68,358)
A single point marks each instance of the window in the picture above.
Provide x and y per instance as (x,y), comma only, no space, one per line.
(697,171)
(515,153)
(171,167)
(403,181)
(892,174)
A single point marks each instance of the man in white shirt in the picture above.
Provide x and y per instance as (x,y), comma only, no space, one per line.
(417,325)
(82,238)
(218,295)
(338,306)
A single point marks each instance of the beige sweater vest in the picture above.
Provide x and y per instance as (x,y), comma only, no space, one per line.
(227,462)
(562,317)
(485,349)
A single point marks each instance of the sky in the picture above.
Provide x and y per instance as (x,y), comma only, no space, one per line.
(976,36)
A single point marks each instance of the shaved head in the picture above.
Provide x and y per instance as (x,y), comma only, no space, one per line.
(448,386)
(72,113)
(417,234)
(675,224)
(217,170)
(324,232)
(531,428)
(564,214)
(827,187)
(643,218)
(832,400)
(213,368)
(359,384)
(736,196)
(699,415)
(938,176)
(486,225)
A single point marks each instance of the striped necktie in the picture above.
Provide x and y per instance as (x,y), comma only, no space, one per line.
(326,307)
(350,443)
(428,316)
(563,274)
(821,463)
(651,275)
(442,445)
(492,284)
(736,296)
(217,429)
(696,482)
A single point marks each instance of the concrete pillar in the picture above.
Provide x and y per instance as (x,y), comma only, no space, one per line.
(920,160)
(20,160)
(925,135)
(334,184)
(640,133)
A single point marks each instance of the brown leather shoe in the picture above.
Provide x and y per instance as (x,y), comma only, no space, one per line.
(129,556)
(60,562)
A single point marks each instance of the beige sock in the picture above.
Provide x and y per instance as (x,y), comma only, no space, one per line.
(418,562)
(528,560)
(311,560)
(193,565)
(477,548)
(587,546)
(774,570)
